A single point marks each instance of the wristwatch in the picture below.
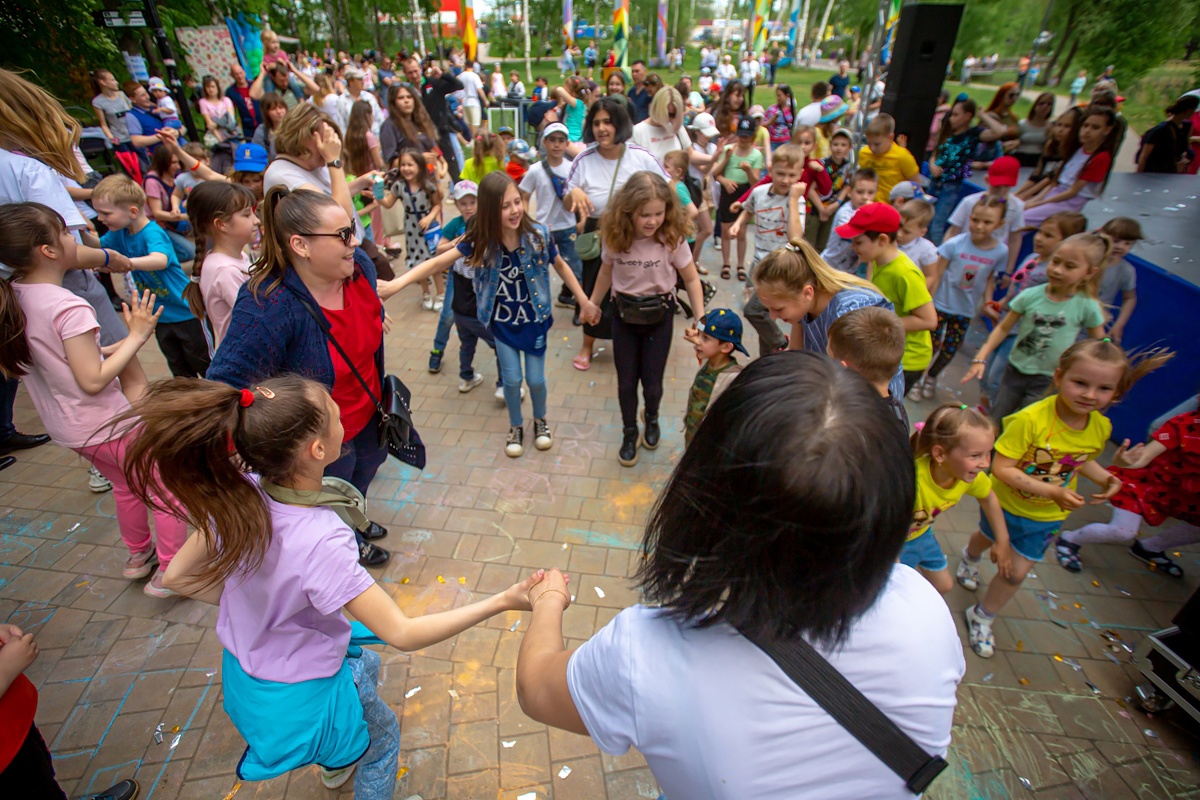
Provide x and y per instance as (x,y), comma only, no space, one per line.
(336,163)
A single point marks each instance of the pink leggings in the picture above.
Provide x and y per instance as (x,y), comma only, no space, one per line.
(131,512)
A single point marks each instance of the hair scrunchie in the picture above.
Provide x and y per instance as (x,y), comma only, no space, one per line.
(246,399)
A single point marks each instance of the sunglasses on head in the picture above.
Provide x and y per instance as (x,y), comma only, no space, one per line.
(345,234)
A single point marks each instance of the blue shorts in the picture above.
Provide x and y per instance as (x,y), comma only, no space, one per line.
(1029,537)
(924,552)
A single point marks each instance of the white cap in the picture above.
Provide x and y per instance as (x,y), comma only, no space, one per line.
(705,124)
(555,127)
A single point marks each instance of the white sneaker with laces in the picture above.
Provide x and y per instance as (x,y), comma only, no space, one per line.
(979,630)
(465,385)
(336,778)
(929,388)
(541,435)
(914,393)
(967,575)
(97,482)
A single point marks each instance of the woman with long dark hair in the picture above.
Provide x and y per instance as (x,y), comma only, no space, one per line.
(408,124)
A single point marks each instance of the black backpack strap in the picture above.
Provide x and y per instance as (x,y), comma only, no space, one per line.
(853,711)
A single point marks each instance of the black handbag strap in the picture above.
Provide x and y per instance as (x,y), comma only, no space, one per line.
(323,324)
(800,661)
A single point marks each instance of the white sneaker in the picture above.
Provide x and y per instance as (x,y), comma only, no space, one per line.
(439,302)
(914,393)
(500,392)
(466,385)
(427,302)
(335,778)
(979,632)
(541,435)
(967,575)
(929,388)
(97,482)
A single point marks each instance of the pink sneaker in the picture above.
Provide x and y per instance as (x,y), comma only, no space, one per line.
(154,587)
(139,565)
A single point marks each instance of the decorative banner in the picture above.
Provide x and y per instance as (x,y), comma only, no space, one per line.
(568,28)
(210,51)
(661,38)
(245,34)
(794,30)
(469,39)
(621,35)
(885,52)
(762,9)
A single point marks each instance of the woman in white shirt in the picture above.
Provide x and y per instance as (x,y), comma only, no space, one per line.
(805,547)
(663,130)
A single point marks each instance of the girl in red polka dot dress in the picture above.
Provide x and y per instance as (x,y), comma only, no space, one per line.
(1161,481)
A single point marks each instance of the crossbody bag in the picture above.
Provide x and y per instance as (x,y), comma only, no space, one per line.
(800,661)
(587,245)
(396,431)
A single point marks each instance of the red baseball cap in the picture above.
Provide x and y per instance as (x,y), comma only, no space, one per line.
(872,218)
(1003,171)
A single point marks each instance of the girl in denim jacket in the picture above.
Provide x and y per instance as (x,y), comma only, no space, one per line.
(511,255)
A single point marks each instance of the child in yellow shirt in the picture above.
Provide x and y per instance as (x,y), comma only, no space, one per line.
(891,162)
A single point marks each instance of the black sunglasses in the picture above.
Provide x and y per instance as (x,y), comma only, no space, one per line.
(345,234)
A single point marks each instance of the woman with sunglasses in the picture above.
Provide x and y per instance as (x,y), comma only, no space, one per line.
(311,265)
(663,130)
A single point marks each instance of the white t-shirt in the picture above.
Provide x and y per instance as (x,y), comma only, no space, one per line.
(716,719)
(809,115)
(705,84)
(23,179)
(769,212)
(1014,215)
(281,172)
(471,86)
(594,173)
(922,252)
(660,141)
(550,210)
(727,72)
(707,149)
(749,71)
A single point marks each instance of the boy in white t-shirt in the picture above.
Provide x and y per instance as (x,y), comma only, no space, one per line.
(915,217)
(777,209)
(548,183)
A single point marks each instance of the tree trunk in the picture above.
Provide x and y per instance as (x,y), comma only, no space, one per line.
(1066,65)
(525,20)
(1068,30)
(824,21)
(802,33)
(378,32)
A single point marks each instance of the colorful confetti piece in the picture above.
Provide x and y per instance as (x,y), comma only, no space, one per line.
(1023,681)
(509,745)
(599,593)
(514,626)
(988,678)
(453,694)
(175,729)
(1124,592)
(82,584)
(1028,784)
(462,581)
(411,692)
(1058,658)
(1096,583)
(1095,689)
(233,791)
(564,772)
(404,580)
(401,773)
(1020,646)
(440,579)
(74,527)
(175,741)
(1150,733)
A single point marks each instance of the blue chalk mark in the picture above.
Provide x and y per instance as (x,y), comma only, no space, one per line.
(186,726)
(578,536)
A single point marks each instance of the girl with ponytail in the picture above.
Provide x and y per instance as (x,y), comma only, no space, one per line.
(223,217)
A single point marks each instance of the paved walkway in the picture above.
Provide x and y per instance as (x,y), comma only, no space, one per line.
(115,664)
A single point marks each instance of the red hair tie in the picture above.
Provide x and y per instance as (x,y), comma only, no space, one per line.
(246,399)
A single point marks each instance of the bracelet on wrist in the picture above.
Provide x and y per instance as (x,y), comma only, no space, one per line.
(106,257)
(978,361)
(548,591)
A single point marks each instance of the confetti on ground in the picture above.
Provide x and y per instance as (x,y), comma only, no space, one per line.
(1112,658)
(441,579)
(599,593)
(988,678)
(1059,622)
(404,580)
(1150,733)
(1052,594)
(210,674)
(403,771)
(1020,646)
(1125,714)
(565,545)
(158,737)
(411,692)
(73,527)
(1079,605)
(1124,592)
(453,693)
(1096,583)
(1023,681)
(1073,664)
(462,581)
(233,791)
(527,796)
(514,626)
(509,745)
(1028,784)
(564,772)
(175,741)
(81,584)
(1058,658)
(1032,574)
(175,729)
(1095,689)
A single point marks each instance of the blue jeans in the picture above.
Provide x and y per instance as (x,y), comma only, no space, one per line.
(8,396)
(375,778)
(361,458)
(185,248)
(510,374)
(564,240)
(470,331)
(947,199)
(994,369)
(441,338)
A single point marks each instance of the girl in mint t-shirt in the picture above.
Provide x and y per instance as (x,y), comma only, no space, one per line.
(51,339)
(1050,318)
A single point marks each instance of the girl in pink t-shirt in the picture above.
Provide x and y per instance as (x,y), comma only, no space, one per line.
(52,339)
(644,254)
(275,551)
(223,216)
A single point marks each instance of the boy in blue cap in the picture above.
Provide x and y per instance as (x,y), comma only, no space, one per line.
(719,334)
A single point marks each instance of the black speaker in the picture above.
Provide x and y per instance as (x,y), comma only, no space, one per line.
(921,49)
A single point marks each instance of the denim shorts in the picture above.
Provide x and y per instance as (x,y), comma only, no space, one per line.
(1029,537)
(924,552)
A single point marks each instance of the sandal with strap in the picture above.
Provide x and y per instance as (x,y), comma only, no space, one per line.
(725,272)
(742,274)
(701,270)
(1067,555)
(1158,562)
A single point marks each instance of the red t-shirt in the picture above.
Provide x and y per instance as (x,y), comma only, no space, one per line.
(1096,170)
(244,91)
(358,328)
(515,170)
(17,707)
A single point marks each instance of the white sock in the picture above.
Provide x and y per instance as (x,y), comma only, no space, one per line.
(981,612)
(1123,527)
(967,556)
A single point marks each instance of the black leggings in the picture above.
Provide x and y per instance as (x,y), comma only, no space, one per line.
(31,772)
(640,353)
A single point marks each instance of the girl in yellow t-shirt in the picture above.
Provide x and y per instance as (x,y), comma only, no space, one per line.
(952,450)
(1039,457)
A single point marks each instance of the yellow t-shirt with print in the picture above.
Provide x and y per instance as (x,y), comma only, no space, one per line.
(1047,450)
(932,499)
(896,165)
(902,282)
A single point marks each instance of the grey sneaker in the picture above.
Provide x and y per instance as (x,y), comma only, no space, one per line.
(967,575)
(979,632)
(465,385)
(97,482)
(335,778)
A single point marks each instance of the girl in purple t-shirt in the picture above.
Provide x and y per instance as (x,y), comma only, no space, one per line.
(274,550)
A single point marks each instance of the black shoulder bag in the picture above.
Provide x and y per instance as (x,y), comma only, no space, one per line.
(396,430)
(853,711)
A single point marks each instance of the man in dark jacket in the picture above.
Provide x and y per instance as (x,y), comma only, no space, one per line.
(239,94)
(435,85)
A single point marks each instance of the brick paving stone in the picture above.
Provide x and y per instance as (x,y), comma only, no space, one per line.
(114,662)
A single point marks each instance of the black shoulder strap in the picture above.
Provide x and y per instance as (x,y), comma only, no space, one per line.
(323,324)
(853,711)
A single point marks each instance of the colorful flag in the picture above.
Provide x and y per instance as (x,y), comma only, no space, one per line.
(568,29)
(661,38)
(469,39)
(762,9)
(621,34)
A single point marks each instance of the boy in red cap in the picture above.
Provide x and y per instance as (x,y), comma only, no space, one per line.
(1002,177)
(872,234)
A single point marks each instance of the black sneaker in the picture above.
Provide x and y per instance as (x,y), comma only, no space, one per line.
(435,360)
(1159,562)
(565,300)
(371,556)
(514,446)
(628,454)
(125,790)
(652,434)
(374,531)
